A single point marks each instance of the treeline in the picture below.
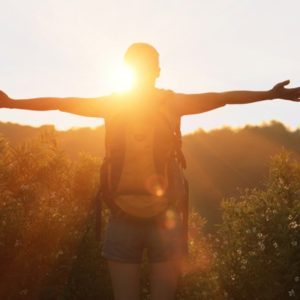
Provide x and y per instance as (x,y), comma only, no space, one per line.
(220,162)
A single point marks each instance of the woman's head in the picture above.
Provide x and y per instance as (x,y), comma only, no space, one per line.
(144,60)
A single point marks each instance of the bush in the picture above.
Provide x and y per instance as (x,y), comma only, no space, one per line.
(50,247)
(46,214)
(258,242)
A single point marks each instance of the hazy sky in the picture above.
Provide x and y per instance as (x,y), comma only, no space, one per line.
(71,47)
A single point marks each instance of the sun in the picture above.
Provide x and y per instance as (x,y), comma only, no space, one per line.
(122,78)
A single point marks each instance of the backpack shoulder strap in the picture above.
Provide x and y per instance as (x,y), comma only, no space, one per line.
(166,100)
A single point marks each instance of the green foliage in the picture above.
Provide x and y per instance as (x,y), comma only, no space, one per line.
(258,242)
(199,281)
(50,247)
(46,216)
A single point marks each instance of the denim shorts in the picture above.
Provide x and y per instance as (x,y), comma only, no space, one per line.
(126,241)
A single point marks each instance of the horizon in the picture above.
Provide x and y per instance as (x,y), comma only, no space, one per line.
(234,129)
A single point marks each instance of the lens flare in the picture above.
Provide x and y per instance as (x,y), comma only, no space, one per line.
(156,185)
(170,222)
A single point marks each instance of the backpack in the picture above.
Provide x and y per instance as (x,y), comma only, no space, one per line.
(142,173)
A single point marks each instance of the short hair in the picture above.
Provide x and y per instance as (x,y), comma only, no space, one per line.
(140,52)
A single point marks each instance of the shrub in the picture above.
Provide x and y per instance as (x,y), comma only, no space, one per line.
(46,214)
(50,246)
(258,242)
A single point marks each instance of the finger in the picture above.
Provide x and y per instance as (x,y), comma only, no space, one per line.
(297,99)
(295,91)
(2,95)
(283,83)
(294,95)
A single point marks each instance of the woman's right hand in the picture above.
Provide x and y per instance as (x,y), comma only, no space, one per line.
(4,100)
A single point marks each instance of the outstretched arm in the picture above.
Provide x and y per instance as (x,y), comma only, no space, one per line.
(90,107)
(196,103)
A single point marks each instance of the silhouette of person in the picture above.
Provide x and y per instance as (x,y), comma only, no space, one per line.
(124,259)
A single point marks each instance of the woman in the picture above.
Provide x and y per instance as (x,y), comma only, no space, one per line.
(165,255)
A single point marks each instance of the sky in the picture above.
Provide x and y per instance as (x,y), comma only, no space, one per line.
(65,48)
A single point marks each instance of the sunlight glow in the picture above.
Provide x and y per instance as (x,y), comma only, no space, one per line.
(122,78)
